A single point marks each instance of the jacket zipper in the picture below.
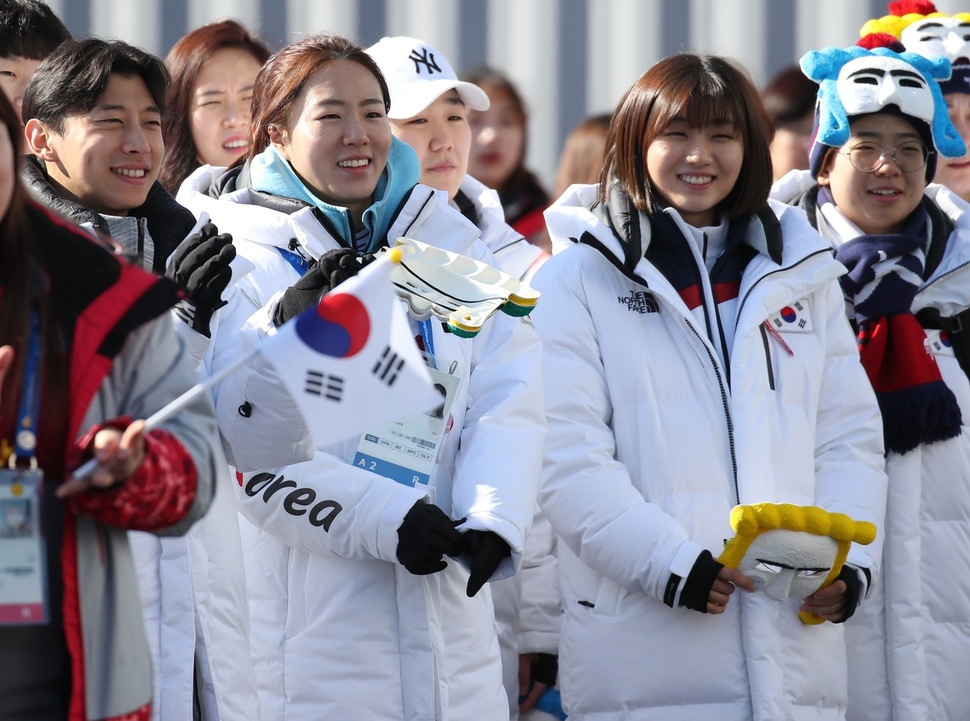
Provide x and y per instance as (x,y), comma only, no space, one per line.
(725,407)
(780,270)
(942,276)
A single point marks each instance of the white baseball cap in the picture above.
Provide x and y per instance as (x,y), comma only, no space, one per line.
(417,75)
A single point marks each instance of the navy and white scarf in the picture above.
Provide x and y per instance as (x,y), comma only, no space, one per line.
(885,273)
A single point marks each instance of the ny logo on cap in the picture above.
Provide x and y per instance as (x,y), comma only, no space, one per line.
(426,58)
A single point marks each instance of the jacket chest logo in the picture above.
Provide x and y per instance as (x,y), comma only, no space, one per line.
(639,301)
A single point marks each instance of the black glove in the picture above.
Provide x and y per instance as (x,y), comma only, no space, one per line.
(330,270)
(425,535)
(200,264)
(485,550)
(853,589)
(699,582)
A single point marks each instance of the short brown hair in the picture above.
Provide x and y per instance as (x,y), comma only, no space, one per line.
(283,76)
(702,89)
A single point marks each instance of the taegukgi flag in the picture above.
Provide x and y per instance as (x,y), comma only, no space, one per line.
(351,362)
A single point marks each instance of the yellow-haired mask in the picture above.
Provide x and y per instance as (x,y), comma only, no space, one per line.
(789,550)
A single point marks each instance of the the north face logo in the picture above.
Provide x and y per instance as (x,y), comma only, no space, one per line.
(639,301)
(426,58)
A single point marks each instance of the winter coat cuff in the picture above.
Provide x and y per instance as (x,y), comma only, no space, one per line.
(157,495)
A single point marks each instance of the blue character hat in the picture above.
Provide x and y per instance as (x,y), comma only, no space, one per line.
(859,81)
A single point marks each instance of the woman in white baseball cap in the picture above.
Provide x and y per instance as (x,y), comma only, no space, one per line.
(429,112)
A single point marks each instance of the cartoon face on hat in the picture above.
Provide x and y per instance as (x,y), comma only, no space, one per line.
(925,31)
(857,81)
(869,84)
(948,37)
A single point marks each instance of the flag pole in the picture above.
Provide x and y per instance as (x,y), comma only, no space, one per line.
(393,255)
(163,414)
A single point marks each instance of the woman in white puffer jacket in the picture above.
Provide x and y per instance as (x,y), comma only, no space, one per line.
(351,617)
(696,357)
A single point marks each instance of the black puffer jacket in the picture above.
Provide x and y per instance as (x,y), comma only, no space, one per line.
(167,221)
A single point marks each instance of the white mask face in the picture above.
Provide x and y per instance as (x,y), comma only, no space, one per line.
(784,563)
(868,84)
(933,37)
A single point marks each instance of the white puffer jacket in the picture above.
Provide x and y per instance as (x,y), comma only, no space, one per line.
(193,593)
(910,648)
(514,254)
(340,629)
(649,449)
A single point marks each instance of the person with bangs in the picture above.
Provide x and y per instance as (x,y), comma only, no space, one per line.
(87,349)
(213,69)
(697,357)
(381,608)
(429,112)
(882,135)
(29,32)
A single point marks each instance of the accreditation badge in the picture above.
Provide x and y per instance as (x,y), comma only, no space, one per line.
(407,451)
(23,572)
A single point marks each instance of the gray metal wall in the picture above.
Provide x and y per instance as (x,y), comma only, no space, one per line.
(570,58)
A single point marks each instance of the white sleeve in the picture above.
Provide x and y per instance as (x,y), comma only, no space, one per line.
(329,507)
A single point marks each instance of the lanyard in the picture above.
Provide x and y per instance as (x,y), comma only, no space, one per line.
(427,336)
(300,264)
(25,440)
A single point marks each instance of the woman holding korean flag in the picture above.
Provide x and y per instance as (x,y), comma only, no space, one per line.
(357,609)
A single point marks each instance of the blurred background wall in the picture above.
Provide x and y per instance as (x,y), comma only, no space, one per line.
(569,58)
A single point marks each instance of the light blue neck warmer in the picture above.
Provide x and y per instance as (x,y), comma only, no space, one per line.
(271,173)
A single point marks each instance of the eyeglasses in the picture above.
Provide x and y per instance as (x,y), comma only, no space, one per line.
(869,157)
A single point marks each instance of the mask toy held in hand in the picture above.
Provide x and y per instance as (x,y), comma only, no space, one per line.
(458,290)
(789,550)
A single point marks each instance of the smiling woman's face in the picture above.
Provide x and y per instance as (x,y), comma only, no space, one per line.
(338,136)
(880,201)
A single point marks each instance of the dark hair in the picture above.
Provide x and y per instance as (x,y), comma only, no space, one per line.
(789,96)
(581,160)
(16,249)
(521,180)
(283,76)
(29,29)
(184,62)
(73,77)
(702,89)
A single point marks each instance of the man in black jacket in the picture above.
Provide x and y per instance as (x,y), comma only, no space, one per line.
(93,114)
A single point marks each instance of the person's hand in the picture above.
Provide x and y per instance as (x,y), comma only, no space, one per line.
(200,264)
(727,580)
(6,363)
(485,550)
(537,672)
(425,535)
(829,602)
(330,270)
(119,453)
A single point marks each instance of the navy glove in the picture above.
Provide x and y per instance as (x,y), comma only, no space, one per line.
(200,264)
(330,270)
(425,535)
(485,550)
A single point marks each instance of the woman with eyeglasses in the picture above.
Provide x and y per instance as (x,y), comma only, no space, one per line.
(881,132)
